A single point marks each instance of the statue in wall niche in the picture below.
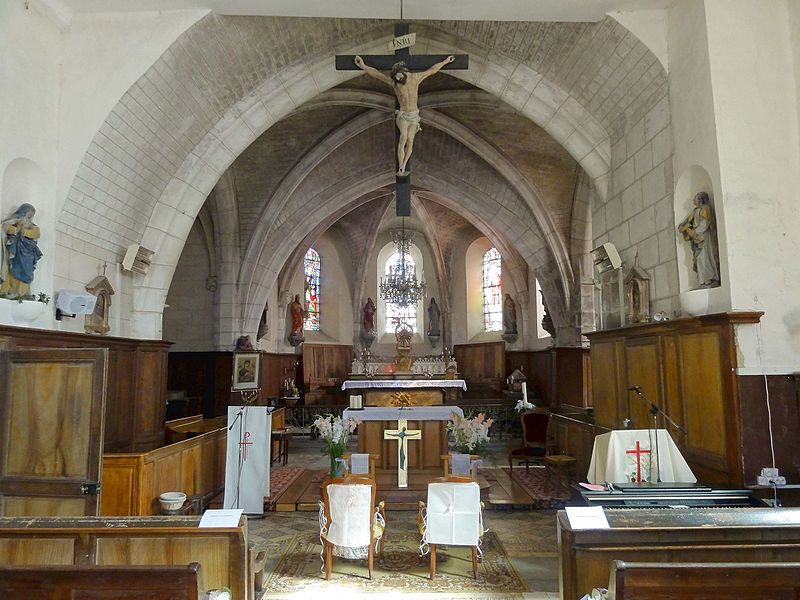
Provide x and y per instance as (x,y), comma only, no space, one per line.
(368,316)
(19,252)
(405,84)
(434,320)
(699,229)
(509,315)
(368,333)
(298,315)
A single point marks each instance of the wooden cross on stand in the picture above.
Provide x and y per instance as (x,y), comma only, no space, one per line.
(402,434)
(638,452)
(406,94)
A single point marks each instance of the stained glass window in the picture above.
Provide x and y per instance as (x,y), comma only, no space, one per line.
(407,314)
(311,270)
(492,291)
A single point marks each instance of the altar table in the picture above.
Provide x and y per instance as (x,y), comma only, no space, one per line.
(419,392)
(615,453)
(422,454)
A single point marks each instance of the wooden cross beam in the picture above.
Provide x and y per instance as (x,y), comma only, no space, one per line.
(415,63)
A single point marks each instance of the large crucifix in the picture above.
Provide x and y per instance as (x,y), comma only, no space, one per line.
(407,72)
(402,434)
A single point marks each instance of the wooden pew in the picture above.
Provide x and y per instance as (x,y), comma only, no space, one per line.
(132,482)
(704,581)
(707,535)
(101,583)
(118,541)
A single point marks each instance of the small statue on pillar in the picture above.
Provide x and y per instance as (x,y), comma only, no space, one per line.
(297,315)
(368,333)
(403,334)
(509,319)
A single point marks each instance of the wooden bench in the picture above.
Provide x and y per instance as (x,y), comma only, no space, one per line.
(118,541)
(101,583)
(194,465)
(678,535)
(704,581)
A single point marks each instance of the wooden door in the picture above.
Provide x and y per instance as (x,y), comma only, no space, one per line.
(51,431)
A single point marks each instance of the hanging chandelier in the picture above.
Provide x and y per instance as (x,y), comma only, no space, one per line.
(400,285)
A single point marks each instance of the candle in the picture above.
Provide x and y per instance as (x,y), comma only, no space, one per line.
(524,392)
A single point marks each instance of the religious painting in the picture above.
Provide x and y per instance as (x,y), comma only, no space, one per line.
(245,370)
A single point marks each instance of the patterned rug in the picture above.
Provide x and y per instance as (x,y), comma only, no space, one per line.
(547,493)
(280,478)
(298,569)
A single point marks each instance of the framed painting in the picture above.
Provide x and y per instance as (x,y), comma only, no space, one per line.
(245,370)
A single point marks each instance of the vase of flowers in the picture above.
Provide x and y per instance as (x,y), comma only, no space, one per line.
(469,435)
(335,432)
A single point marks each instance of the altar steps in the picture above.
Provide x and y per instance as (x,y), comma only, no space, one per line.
(498,491)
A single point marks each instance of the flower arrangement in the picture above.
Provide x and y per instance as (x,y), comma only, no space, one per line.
(469,434)
(335,432)
(523,405)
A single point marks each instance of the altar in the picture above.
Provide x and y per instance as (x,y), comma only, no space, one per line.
(628,455)
(424,453)
(405,392)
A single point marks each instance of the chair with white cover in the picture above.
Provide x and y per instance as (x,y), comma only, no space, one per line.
(452,517)
(350,523)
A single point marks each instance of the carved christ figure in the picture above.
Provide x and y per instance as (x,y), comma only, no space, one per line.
(405,84)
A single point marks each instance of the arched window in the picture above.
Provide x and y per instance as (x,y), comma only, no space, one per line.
(492,291)
(394,312)
(311,271)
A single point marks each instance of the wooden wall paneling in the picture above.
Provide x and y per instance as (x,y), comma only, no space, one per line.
(51,430)
(572,376)
(119,422)
(151,382)
(483,367)
(785,409)
(696,382)
(643,360)
(704,405)
(607,381)
(132,387)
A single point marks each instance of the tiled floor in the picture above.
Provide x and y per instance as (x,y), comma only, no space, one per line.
(528,537)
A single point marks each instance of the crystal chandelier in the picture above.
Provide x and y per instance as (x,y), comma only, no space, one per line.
(400,286)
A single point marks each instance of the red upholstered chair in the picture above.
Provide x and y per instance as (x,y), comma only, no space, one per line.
(534,440)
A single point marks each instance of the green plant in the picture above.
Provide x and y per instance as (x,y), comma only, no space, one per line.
(40,297)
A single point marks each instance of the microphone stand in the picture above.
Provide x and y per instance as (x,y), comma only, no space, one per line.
(655,411)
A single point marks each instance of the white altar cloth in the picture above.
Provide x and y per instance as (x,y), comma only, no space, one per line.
(612,463)
(364,384)
(413,413)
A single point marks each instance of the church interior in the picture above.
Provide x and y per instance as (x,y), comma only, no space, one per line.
(548,265)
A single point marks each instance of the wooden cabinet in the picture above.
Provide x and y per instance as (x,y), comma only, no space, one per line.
(687,368)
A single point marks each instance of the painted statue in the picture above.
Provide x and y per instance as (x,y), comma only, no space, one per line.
(298,315)
(698,229)
(19,251)
(405,84)
(368,316)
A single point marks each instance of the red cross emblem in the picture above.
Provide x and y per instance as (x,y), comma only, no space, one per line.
(638,452)
(244,444)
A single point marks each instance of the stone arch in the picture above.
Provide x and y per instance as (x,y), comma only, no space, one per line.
(185,178)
